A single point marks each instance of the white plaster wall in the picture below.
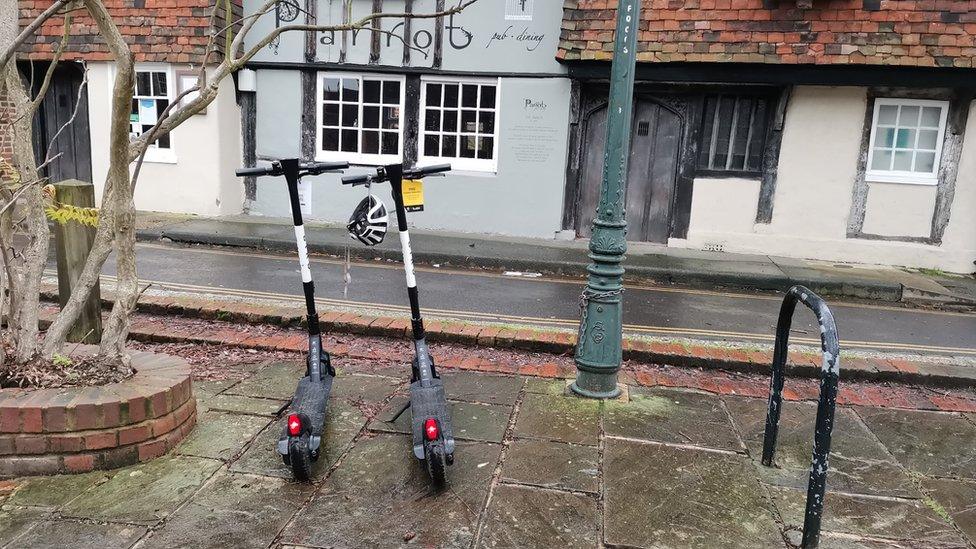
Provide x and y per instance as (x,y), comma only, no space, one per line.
(817,170)
(895,209)
(207,149)
(725,205)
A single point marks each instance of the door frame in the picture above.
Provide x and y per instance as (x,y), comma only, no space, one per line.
(588,98)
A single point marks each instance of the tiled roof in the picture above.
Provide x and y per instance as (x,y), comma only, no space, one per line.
(174,31)
(892,32)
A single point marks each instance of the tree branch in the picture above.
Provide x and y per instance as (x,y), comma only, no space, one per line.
(30,29)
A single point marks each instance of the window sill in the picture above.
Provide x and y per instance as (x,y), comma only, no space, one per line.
(901,179)
(157,156)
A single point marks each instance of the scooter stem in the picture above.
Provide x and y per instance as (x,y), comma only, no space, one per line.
(290,169)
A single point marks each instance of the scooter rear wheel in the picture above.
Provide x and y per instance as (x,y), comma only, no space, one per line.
(301,459)
(434,460)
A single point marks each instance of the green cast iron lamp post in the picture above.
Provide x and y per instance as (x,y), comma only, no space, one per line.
(598,350)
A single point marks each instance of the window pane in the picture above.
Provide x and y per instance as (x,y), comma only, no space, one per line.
(163,142)
(350,89)
(450,121)
(432,121)
(486,147)
(908,116)
(391,118)
(450,95)
(726,110)
(469,120)
(371,91)
(330,140)
(142,84)
(708,123)
(350,116)
(390,143)
(449,146)
(371,117)
(487,119)
(330,89)
(391,92)
(925,162)
(161,105)
(330,114)
(350,141)
(159,84)
(371,142)
(135,107)
(887,114)
(903,161)
(885,137)
(432,145)
(433,95)
(927,139)
(488,97)
(882,160)
(905,139)
(931,116)
(468,147)
(469,95)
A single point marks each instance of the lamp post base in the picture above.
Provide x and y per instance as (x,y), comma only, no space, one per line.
(599,386)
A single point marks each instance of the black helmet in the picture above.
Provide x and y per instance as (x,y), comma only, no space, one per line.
(367,223)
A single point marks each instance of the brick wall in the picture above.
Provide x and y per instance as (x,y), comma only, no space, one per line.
(892,32)
(6,116)
(172,31)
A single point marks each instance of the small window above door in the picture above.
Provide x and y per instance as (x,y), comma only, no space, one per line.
(733,135)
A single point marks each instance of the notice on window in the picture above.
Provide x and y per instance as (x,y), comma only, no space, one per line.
(413,195)
(305,197)
(147,112)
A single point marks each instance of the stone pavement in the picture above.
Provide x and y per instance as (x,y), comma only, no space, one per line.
(666,468)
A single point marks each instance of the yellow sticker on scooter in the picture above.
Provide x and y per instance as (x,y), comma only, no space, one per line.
(413,195)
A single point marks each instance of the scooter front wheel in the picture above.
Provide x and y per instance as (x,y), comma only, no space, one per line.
(435,459)
(301,459)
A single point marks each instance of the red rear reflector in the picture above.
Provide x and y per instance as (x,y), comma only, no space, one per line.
(431,430)
(294,425)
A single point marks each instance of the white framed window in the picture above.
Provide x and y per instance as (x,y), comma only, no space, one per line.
(153,93)
(459,122)
(360,118)
(906,141)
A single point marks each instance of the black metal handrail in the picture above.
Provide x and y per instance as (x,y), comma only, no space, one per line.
(829,375)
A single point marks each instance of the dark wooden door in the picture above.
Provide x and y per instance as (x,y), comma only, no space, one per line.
(73,143)
(654,152)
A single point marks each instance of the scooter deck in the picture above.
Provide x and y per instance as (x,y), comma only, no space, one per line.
(312,399)
(427,402)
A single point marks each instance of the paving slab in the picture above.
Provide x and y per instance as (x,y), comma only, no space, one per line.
(562,418)
(669,497)
(243,405)
(54,491)
(679,417)
(484,422)
(144,493)
(958,499)
(343,423)
(552,465)
(896,519)
(220,435)
(858,462)
(277,380)
(370,389)
(69,533)
(930,443)
(483,388)
(530,517)
(830,540)
(380,496)
(234,510)
(204,390)
(543,386)
(15,521)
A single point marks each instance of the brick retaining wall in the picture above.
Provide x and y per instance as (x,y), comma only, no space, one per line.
(78,429)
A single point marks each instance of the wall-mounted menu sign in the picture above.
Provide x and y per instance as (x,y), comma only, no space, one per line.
(518,10)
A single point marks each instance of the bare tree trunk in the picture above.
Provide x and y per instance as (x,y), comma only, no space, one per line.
(25,317)
(116,201)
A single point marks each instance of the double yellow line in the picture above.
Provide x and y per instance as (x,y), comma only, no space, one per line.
(568,324)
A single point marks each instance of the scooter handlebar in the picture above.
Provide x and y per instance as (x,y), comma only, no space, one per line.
(417,173)
(316,168)
(257,170)
(355,179)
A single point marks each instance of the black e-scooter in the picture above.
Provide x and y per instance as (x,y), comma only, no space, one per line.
(433,436)
(302,437)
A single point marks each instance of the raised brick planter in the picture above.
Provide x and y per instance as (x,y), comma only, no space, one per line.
(78,429)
